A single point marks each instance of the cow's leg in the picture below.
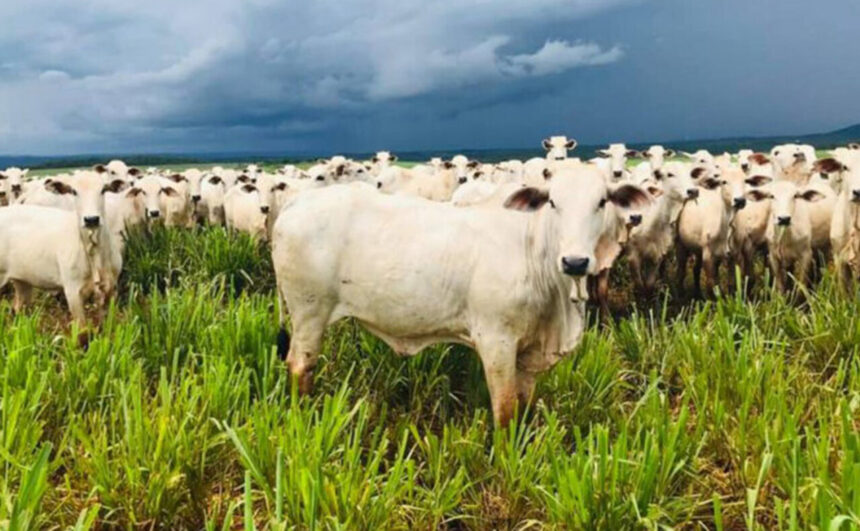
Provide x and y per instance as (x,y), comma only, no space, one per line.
(802,269)
(499,358)
(525,387)
(304,346)
(651,275)
(697,274)
(777,272)
(681,272)
(603,292)
(636,264)
(23,295)
(711,265)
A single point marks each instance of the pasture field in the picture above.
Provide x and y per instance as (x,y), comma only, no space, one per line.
(724,414)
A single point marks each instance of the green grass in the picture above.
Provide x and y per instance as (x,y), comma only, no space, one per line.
(731,415)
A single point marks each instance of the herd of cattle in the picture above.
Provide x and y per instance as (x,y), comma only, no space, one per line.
(499,257)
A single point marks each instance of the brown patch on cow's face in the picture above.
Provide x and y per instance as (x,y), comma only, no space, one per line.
(759,158)
(829,165)
(527,199)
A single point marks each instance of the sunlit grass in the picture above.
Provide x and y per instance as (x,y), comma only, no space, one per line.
(734,414)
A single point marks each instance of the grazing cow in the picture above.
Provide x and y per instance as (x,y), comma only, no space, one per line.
(502,281)
(14,178)
(617,155)
(49,248)
(244,211)
(789,231)
(557,147)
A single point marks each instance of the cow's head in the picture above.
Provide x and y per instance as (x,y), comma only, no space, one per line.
(656,156)
(88,190)
(617,155)
(557,147)
(578,205)
(153,191)
(784,196)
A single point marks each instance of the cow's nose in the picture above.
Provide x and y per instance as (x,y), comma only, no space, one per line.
(693,193)
(320,178)
(264,209)
(658,174)
(617,174)
(739,203)
(783,221)
(635,219)
(16,188)
(855,195)
(91,222)
(745,166)
(574,265)
(195,198)
(153,213)
(461,180)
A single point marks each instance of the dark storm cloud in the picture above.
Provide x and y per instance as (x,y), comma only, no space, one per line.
(329,75)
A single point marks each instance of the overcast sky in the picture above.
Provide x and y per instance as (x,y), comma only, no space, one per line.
(84,76)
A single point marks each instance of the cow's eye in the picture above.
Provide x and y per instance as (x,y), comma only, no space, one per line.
(601,204)
(824,175)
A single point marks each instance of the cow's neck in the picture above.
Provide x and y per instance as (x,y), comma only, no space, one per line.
(98,251)
(542,250)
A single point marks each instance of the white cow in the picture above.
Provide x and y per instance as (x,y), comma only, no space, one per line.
(244,211)
(14,178)
(153,191)
(53,249)
(617,155)
(656,156)
(845,225)
(503,282)
(793,162)
(789,231)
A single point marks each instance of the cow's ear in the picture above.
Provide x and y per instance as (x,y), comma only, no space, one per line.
(115,186)
(810,195)
(99,168)
(828,165)
(854,145)
(571,144)
(3,176)
(134,172)
(527,199)
(25,171)
(655,191)
(629,195)
(280,187)
(133,192)
(669,153)
(697,172)
(392,157)
(602,153)
(633,154)
(448,164)
(758,180)
(759,158)
(472,164)
(375,159)
(545,143)
(215,180)
(758,195)
(170,191)
(249,188)
(177,178)
(59,187)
